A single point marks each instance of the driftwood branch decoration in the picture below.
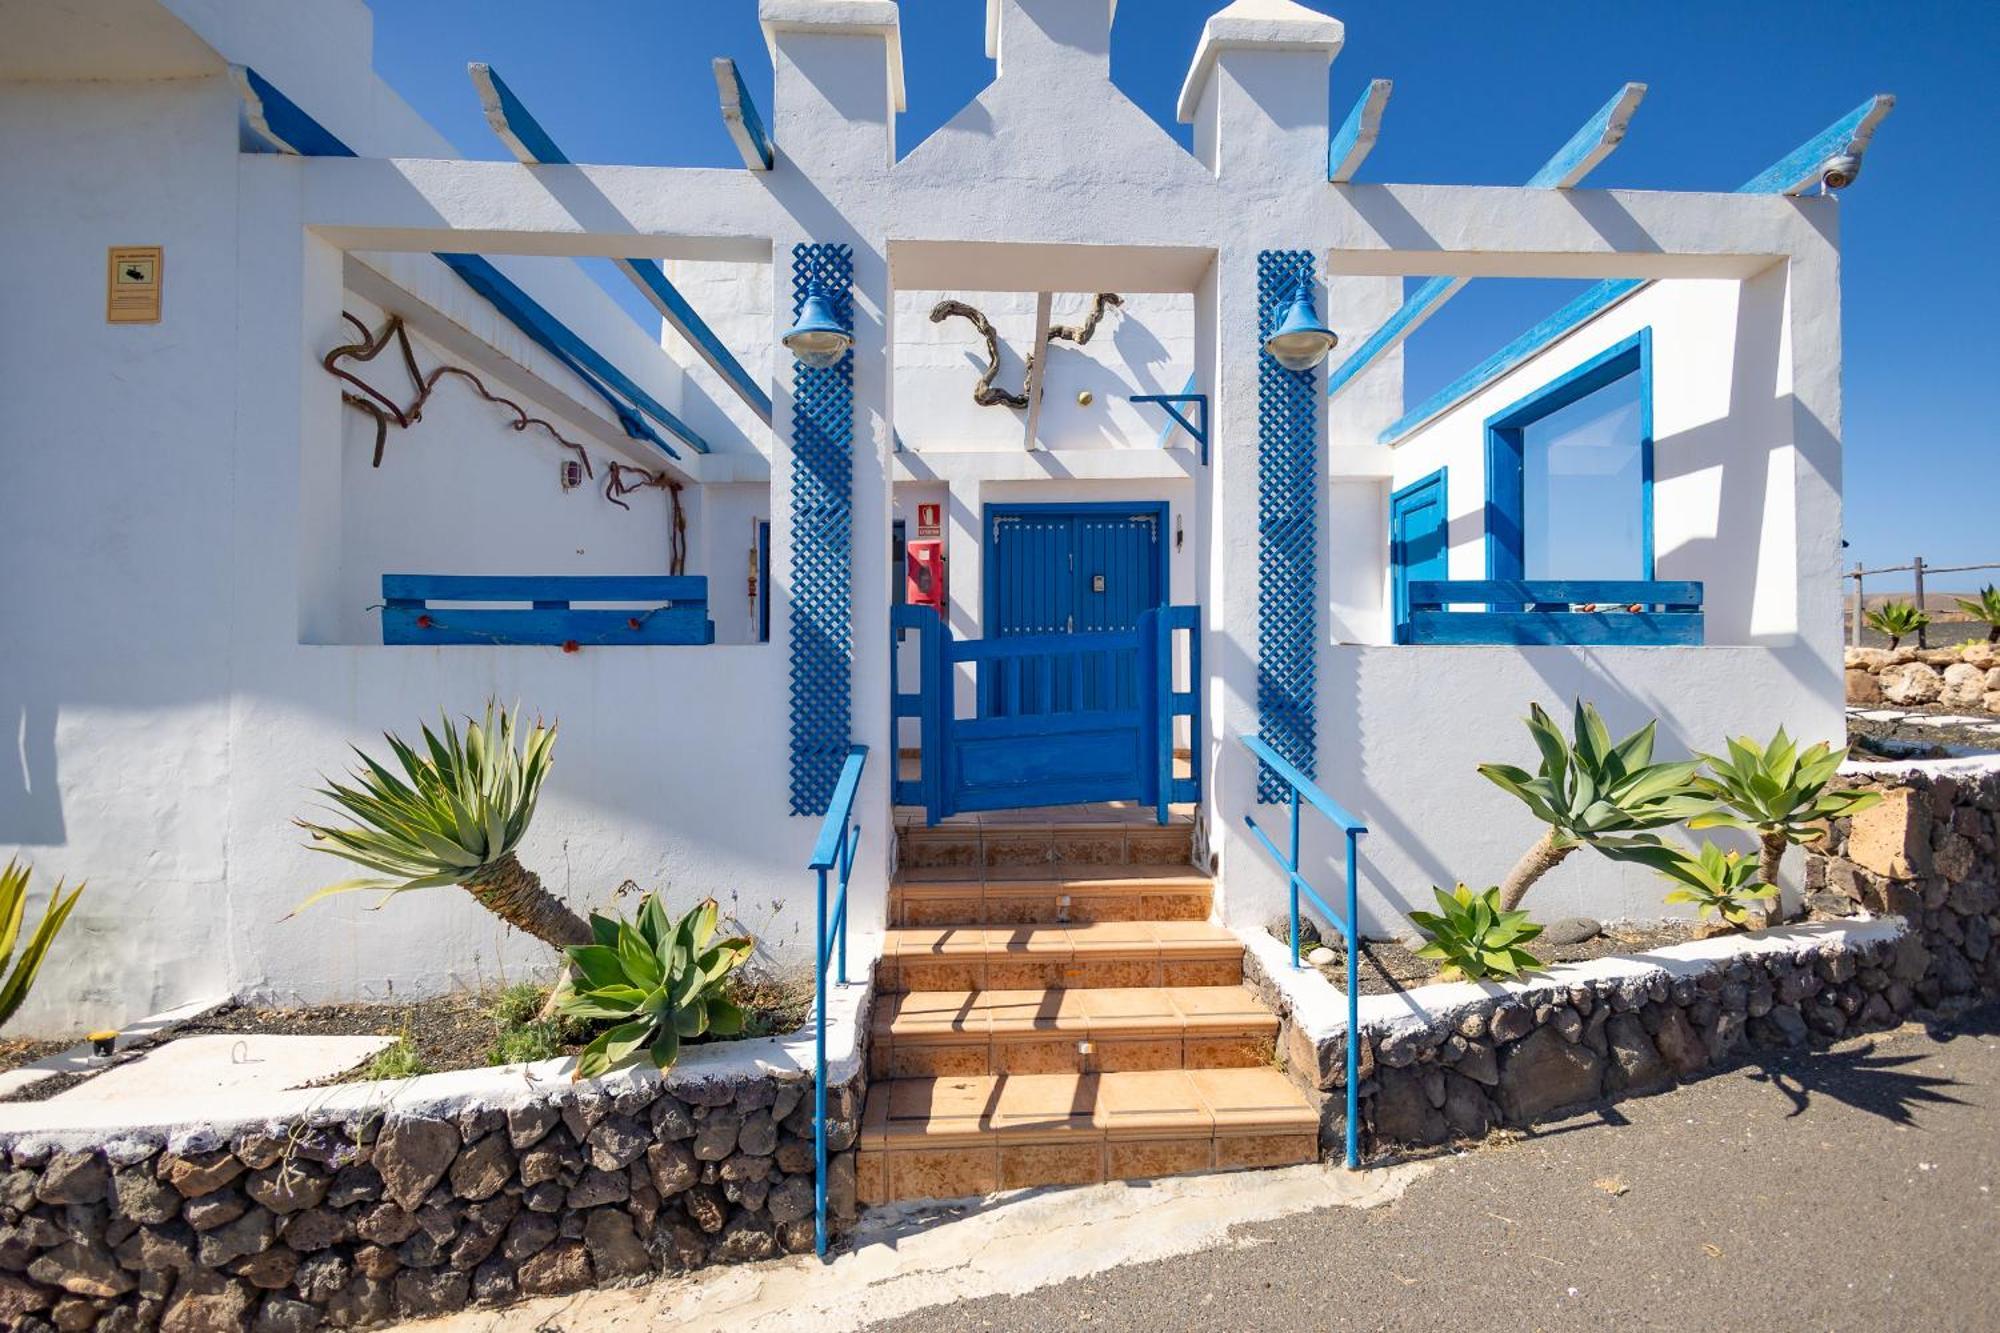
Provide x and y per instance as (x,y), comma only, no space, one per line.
(984,392)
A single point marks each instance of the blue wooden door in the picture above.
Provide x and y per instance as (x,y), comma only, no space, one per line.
(1418,547)
(1086,569)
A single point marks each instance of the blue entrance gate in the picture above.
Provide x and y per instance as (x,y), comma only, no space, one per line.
(1056,723)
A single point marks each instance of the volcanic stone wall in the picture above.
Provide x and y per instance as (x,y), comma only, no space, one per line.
(355,1222)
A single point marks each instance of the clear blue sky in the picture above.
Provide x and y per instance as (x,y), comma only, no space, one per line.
(1484,93)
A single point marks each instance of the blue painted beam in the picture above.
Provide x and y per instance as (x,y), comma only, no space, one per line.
(1355,138)
(1601,134)
(1801,169)
(287,127)
(1849,135)
(739,114)
(524,137)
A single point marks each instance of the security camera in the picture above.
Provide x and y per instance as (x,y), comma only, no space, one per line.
(1838,172)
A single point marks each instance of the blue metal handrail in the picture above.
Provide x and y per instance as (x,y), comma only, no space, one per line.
(839,839)
(1302,788)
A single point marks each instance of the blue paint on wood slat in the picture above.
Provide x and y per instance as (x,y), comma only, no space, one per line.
(1602,133)
(1574,628)
(530,143)
(567,588)
(739,115)
(1669,593)
(1356,137)
(666,609)
(1851,133)
(287,127)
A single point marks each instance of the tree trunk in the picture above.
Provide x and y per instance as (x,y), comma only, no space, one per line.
(515,894)
(1770,857)
(1537,861)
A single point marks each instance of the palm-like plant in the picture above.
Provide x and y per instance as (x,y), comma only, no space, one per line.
(454,815)
(1985,607)
(1778,792)
(658,979)
(13,911)
(1896,619)
(1593,792)
(1718,883)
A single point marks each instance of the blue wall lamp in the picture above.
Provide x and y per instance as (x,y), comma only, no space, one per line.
(1301,341)
(818,337)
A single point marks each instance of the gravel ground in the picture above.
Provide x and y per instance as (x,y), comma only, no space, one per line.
(1386,967)
(1851,1189)
(1903,739)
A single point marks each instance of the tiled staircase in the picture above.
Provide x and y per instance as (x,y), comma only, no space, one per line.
(1055,1009)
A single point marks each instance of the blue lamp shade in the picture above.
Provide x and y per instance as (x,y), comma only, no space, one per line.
(1301,341)
(817,337)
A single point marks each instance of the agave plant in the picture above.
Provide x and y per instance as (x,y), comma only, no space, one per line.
(1721,884)
(454,815)
(1473,937)
(1593,793)
(1896,619)
(657,979)
(1777,792)
(1985,607)
(13,911)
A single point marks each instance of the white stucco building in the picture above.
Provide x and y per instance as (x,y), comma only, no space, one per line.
(193,602)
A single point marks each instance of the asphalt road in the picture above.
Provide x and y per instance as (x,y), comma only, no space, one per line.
(1852,1189)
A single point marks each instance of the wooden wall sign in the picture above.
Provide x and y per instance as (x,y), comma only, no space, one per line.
(132,284)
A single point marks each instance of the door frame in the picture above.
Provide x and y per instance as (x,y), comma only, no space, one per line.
(989,574)
(1399,566)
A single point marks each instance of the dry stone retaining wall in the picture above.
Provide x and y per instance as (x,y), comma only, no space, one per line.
(1926,860)
(355,1221)
(1947,677)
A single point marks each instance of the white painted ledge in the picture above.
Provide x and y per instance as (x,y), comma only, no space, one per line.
(194,1120)
(1319,1009)
(1971,766)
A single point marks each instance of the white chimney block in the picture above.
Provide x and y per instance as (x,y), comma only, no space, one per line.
(1257,90)
(837,81)
(1037,35)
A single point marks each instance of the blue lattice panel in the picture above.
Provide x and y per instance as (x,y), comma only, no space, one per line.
(822,619)
(1287,533)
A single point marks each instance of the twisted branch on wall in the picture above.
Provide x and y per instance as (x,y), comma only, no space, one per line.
(384,409)
(984,392)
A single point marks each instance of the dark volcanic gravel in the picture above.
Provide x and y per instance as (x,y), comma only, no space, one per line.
(1386,967)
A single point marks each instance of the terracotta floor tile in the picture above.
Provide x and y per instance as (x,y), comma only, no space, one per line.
(1244,1099)
(1151,1104)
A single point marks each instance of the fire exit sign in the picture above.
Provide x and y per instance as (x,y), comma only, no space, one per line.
(132,284)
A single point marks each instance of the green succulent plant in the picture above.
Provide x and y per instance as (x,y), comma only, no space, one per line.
(1720,884)
(1778,792)
(455,815)
(1593,792)
(1896,619)
(13,913)
(1472,937)
(1986,607)
(658,980)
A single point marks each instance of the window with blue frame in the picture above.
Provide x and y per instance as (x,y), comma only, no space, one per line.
(1570,474)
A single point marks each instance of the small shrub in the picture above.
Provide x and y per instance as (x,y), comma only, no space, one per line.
(525,1043)
(401,1060)
(1896,619)
(1471,937)
(518,1004)
(1719,884)
(658,980)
